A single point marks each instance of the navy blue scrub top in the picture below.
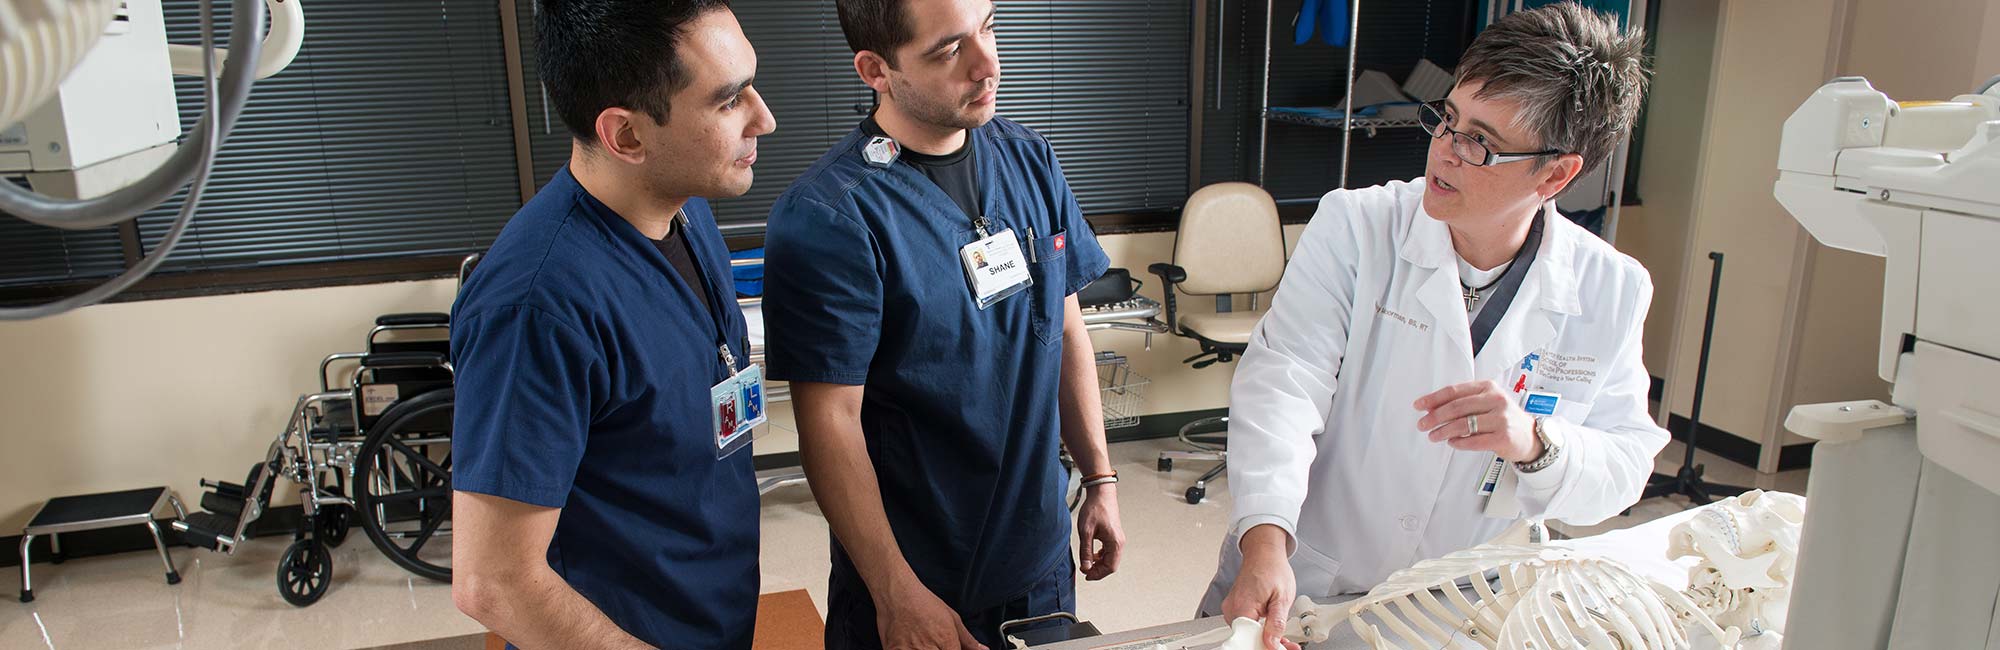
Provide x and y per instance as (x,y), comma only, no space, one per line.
(863,286)
(583,371)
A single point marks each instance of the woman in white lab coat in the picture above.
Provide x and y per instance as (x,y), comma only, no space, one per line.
(1366,433)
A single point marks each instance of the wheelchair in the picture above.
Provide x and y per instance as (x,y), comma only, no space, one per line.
(374,450)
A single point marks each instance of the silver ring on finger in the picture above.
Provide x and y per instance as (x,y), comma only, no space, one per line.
(1471,424)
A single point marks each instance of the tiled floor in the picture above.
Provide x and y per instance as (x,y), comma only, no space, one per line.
(231,602)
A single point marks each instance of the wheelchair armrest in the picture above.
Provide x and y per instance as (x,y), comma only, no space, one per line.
(1170,275)
(419,318)
(324,383)
(404,360)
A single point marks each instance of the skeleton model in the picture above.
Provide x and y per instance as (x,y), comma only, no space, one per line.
(1551,597)
(1548,598)
(1748,546)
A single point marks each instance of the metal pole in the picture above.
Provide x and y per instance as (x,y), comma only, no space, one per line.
(1701,367)
(1221,11)
(1347,113)
(1264,104)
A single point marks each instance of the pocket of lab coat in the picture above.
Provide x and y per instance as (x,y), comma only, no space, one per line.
(1573,411)
(1314,572)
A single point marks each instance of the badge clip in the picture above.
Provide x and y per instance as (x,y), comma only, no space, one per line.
(881,151)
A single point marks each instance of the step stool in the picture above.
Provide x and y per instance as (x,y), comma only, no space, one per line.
(93,512)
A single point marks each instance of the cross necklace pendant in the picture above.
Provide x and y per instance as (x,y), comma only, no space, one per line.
(1471,293)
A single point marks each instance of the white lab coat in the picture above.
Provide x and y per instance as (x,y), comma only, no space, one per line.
(1323,437)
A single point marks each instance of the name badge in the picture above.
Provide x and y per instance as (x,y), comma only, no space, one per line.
(736,406)
(1540,403)
(1491,479)
(995,268)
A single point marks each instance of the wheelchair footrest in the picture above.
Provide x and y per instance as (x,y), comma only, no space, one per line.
(220,503)
(208,530)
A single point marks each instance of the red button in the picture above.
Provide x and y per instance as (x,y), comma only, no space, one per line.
(1059,242)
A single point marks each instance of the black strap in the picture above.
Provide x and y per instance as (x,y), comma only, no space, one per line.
(1510,283)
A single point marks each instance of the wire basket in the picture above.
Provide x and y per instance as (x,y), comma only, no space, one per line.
(1124,390)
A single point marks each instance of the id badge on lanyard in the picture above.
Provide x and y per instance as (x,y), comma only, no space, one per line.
(1497,485)
(995,268)
(736,406)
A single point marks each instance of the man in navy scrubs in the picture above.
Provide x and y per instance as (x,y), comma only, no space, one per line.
(919,286)
(595,504)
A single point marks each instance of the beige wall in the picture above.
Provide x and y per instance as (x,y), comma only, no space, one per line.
(1769,55)
(1923,49)
(167,392)
(1656,233)
(1987,57)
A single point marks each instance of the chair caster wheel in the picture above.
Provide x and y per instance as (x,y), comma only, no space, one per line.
(1166,464)
(1196,494)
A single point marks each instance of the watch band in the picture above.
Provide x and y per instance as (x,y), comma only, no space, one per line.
(1550,452)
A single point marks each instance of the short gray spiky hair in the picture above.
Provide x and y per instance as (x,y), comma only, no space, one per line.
(1577,79)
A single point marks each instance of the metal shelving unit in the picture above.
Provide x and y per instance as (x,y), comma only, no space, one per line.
(1369,124)
(1345,125)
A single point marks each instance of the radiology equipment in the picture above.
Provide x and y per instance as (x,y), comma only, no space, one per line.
(1906,496)
(89,117)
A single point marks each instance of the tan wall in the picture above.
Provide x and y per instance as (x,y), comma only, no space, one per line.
(1769,56)
(1842,322)
(1656,233)
(167,392)
(1987,58)
(1923,49)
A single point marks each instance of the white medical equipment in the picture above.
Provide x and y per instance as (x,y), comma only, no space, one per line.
(1898,550)
(88,114)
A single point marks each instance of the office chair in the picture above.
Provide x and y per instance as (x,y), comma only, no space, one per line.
(1230,242)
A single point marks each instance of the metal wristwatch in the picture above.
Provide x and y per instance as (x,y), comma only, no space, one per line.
(1551,450)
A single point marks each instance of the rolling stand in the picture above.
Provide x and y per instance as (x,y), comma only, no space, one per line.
(1688,480)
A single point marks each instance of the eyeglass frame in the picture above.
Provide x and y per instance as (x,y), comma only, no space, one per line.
(1436,107)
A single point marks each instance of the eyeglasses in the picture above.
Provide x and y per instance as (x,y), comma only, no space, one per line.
(1431,117)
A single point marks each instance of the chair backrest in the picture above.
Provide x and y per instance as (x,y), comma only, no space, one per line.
(1230,241)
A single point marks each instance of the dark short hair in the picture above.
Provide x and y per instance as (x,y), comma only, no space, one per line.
(600,54)
(878,26)
(1578,78)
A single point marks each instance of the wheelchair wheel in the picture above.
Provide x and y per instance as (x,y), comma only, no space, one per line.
(402,484)
(304,572)
(332,525)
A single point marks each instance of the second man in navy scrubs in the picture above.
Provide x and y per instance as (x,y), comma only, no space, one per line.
(600,351)
(920,282)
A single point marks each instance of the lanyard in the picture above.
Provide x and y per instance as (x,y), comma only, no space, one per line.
(703,283)
(979,223)
(1510,283)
